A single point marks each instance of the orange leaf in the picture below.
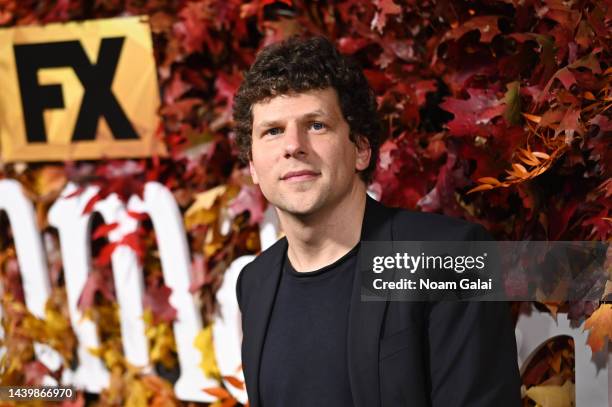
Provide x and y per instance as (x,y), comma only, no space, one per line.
(540,171)
(520,169)
(482,187)
(218,392)
(533,118)
(540,154)
(231,402)
(489,180)
(528,157)
(600,326)
(234,382)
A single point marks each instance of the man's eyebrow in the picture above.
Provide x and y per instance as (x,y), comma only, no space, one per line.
(271,123)
(315,113)
(276,123)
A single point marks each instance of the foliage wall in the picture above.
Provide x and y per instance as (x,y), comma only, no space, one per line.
(497,111)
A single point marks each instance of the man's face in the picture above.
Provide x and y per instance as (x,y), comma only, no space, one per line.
(301,154)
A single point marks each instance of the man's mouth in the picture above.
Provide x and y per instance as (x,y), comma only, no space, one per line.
(296,176)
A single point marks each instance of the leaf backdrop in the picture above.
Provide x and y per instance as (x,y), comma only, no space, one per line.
(497,111)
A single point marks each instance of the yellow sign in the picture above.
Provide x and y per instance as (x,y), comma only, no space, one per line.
(85,90)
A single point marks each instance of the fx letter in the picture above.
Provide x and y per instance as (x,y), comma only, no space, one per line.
(97,79)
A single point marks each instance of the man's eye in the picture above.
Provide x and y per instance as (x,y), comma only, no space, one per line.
(317,126)
(275,131)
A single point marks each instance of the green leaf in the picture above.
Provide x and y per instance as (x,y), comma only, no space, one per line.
(512,100)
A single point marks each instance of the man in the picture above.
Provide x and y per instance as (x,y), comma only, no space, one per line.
(306,123)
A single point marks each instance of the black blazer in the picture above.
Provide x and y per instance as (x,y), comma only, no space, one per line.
(401,353)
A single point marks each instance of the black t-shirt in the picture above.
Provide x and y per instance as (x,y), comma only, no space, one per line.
(304,355)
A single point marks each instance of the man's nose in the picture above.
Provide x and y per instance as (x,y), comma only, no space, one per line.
(295,141)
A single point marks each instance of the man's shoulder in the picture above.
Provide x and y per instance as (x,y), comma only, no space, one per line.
(252,275)
(412,225)
(264,262)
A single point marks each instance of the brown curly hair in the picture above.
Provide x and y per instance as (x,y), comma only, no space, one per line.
(298,65)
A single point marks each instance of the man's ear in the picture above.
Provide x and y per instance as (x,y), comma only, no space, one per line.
(364,153)
(253,173)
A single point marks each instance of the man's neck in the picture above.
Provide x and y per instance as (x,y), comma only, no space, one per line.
(318,240)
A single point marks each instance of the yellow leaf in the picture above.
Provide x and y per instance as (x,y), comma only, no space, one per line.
(112,357)
(137,395)
(204,343)
(553,396)
(201,212)
(205,200)
(161,340)
(49,180)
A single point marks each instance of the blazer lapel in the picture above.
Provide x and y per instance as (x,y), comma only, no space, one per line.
(258,316)
(365,318)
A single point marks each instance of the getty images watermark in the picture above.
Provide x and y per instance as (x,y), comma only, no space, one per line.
(484,270)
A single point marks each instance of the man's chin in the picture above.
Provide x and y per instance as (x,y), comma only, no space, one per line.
(298,209)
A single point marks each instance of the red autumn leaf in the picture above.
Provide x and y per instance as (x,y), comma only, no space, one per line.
(98,281)
(571,123)
(535,374)
(422,88)
(559,219)
(175,88)
(104,257)
(134,242)
(603,122)
(600,223)
(470,114)
(157,299)
(249,199)
(226,87)
(566,77)
(196,19)
(486,25)
(103,230)
(263,3)
(199,273)
(350,45)
(377,79)
(75,193)
(139,216)
(451,177)
(91,203)
(385,9)
(34,372)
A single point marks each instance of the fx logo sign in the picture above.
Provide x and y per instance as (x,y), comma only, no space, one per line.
(78,91)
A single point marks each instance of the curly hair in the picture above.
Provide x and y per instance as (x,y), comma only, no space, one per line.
(298,65)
